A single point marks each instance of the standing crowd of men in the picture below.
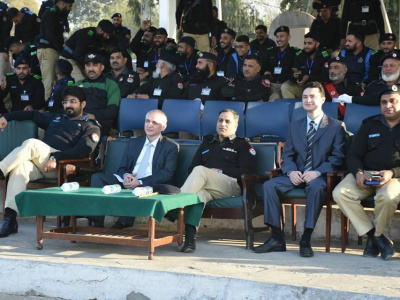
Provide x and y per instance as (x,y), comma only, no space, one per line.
(73,86)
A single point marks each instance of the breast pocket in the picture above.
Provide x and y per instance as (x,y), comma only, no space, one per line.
(373,143)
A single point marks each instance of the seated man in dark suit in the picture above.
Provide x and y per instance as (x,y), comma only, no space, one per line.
(148,160)
(314,146)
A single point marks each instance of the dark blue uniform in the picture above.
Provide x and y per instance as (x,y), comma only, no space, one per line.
(357,65)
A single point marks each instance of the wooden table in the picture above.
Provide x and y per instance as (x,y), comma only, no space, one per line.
(91,201)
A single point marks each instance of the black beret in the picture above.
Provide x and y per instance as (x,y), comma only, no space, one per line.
(166,189)
(116,15)
(12,12)
(243,39)
(9,41)
(152,29)
(282,29)
(106,26)
(188,40)
(161,31)
(94,57)
(338,59)
(229,31)
(21,61)
(390,89)
(325,4)
(392,56)
(208,55)
(387,37)
(64,66)
(168,56)
(25,9)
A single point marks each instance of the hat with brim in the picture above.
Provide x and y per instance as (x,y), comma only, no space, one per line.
(94,57)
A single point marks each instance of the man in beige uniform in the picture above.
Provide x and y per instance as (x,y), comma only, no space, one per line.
(374,163)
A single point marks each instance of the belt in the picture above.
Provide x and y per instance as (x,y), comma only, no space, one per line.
(43,41)
(364,23)
(69,50)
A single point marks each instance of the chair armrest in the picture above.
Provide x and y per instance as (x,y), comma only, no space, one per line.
(249,194)
(273,173)
(339,173)
(79,163)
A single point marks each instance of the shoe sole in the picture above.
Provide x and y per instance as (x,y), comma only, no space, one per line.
(189,250)
(279,250)
(306,255)
(389,256)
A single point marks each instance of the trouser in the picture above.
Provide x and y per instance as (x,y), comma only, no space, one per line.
(349,196)
(202,41)
(25,163)
(48,59)
(372,41)
(209,184)
(275,92)
(276,187)
(77,70)
(291,90)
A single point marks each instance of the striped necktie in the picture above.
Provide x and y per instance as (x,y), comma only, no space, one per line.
(310,136)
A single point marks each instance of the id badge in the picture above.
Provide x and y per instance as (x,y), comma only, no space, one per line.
(205,92)
(24,97)
(365,9)
(221,73)
(51,103)
(277,70)
(157,92)
(146,64)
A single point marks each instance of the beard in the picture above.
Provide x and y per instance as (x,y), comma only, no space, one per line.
(71,112)
(201,75)
(392,77)
(336,77)
(312,51)
(157,73)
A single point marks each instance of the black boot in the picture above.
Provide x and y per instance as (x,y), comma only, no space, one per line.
(10,224)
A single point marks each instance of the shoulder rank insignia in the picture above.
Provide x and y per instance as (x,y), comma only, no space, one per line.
(325,54)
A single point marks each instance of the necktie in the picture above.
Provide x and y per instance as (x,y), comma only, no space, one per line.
(141,172)
(310,135)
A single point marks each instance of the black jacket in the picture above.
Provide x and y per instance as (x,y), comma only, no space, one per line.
(52,29)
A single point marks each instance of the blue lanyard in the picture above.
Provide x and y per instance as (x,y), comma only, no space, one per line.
(309,66)
(186,67)
(155,57)
(222,60)
(58,86)
(280,57)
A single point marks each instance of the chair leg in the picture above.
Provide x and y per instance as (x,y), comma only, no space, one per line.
(343,239)
(249,230)
(360,240)
(328,227)
(294,221)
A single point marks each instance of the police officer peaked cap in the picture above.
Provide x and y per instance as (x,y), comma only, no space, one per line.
(25,9)
(209,56)
(161,31)
(338,59)
(64,66)
(106,26)
(282,29)
(12,13)
(390,89)
(388,37)
(392,56)
(94,57)
(188,40)
(21,61)
(168,56)
(116,15)
(229,31)
(9,41)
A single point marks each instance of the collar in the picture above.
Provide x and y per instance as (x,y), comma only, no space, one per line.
(101,78)
(230,139)
(64,79)
(154,143)
(257,77)
(317,120)
(84,117)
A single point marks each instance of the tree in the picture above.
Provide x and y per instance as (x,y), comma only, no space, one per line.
(32,5)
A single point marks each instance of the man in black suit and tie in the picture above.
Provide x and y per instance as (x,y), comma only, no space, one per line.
(148,160)
(314,146)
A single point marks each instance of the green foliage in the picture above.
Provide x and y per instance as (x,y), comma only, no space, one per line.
(32,5)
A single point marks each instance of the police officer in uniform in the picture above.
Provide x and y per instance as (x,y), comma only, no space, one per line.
(188,57)
(387,48)
(69,134)
(127,80)
(49,4)
(5,28)
(28,51)
(262,42)
(26,91)
(205,84)
(122,33)
(251,86)
(26,25)
(279,61)
(224,50)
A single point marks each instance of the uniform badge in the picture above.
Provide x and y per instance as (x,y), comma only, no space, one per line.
(95,137)
(91,56)
(130,80)
(360,60)
(326,65)
(180,85)
(121,79)
(266,83)
(252,151)
(332,93)
(394,88)
(394,55)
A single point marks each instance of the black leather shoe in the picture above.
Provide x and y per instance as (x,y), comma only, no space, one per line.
(271,245)
(370,249)
(96,222)
(384,245)
(118,225)
(305,249)
(1,175)
(8,227)
(189,246)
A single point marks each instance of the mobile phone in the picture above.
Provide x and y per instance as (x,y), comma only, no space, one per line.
(372,182)
(376,177)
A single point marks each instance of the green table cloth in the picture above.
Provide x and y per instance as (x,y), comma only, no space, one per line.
(92,202)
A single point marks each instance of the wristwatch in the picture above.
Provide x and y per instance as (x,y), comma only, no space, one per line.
(52,158)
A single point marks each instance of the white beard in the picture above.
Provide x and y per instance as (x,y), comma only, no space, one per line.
(157,73)
(392,77)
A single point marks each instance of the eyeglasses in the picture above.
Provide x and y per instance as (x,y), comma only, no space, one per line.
(72,101)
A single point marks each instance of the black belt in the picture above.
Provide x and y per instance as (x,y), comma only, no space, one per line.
(364,23)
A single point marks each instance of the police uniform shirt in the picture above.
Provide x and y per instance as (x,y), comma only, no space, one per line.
(316,68)
(28,29)
(356,64)
(328,33)
(75,138)
(375,65)
(137,46)
(240,89)
(54,103)
(343,87)
(187,66)
(234,156)
(198,19)
(123,35)
(235,65)
(257,48)
(31,92)
(5,28)
(223,60)
(371,94)
(52,29)
(210,89)
(279,64)
(128,81)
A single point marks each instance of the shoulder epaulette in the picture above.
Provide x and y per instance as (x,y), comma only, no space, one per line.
(325,54)
(33,53)
(52,9)
(369,119)
(298,52)
(31,13)
(373,53)
(296,48)
(90,32)
(129,51)
(270,48)
(9,74)
(37,77)
(70,83)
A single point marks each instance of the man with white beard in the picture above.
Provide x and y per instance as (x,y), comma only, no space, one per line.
(390,76)
(165,84)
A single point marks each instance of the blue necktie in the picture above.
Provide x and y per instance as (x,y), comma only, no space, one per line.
(141,172)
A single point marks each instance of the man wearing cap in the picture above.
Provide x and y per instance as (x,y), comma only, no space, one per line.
(165,82)
(224,51)
(51,42)
(262,42)
(27,50)
(327,28)
(205,84)
(387,48)
(102,94)
(374,164)
(127,80)
(26,91)
(122,33)
(46,5)
(279,61)
(83,41)
(251,86)
(26,25)
(309,65)
(69,134)
(235,63)
(64,79)
(187,57)
(390,75)
(6,25)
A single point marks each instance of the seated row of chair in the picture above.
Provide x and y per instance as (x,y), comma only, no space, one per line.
(257,119)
